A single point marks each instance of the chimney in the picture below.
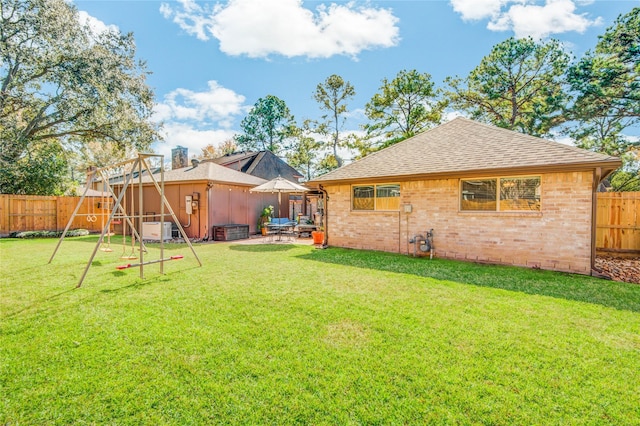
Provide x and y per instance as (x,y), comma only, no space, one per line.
(179,157)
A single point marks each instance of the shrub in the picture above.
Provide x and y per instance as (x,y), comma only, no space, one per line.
(48,234)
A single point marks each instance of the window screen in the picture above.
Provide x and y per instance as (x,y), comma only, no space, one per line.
(478,195)
(520,193)
(387,197)
(376,197)
(363,197)
(514,194)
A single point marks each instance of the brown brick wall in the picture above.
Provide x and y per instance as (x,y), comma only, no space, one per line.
(557,238)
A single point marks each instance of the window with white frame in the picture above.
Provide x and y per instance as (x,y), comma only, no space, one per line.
(500,194)
(375,197)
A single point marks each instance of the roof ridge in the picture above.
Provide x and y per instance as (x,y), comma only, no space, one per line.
(555,143)
(373,154)
(255,161)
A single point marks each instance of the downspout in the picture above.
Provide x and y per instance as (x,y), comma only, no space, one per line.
(325,218)
(200,223)
(400,231)
(597,177)
(210,220)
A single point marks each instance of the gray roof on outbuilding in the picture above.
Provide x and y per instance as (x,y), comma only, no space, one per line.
(264,164)
(208,171)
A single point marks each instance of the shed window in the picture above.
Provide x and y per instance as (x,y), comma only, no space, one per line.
(513,194)
(376,197)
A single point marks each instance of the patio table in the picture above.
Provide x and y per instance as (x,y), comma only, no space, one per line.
(277,230)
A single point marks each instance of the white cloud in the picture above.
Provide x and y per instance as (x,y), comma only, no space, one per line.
(191,138)
(259,28)
(217,105)
(450,115)
(191,17)
(556,16)
(527,19)
(96,26)
(474,10)
(196,119)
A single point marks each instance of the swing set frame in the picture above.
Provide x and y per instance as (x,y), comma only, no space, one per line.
(141,165)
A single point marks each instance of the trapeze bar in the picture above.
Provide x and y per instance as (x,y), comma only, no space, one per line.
(133,265)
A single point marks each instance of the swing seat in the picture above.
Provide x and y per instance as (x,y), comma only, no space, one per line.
(131,265)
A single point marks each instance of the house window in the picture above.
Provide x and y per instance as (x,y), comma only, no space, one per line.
(478,195)
(376,197)
(500,194)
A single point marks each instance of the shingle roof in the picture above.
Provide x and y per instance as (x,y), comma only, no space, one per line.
(208,172)
(465,146)
(234,157)
(264,164)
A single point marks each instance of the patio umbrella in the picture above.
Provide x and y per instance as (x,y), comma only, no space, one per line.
(279,185)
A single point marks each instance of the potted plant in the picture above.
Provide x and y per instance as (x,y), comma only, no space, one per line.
(318,235)
(265,217)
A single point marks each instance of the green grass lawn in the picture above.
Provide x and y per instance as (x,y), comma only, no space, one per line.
(284,334)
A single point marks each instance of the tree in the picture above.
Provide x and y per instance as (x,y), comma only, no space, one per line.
(210,151)
(608,80)
(607,86)
(229,146)
(362,146)
(102,154)
(61,87)
(266,126)
(518,86)
(332,96)
(604,135)
(303,152)
(326,164)
(405,106)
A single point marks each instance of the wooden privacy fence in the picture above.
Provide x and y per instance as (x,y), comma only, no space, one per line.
(40,213)
(617,228)
(618,223)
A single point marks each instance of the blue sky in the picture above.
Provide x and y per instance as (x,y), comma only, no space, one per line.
(211,61)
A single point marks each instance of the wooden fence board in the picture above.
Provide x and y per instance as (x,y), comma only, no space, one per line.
(617,223)
(20,213)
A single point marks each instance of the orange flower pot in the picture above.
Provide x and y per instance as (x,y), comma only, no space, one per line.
(318,237)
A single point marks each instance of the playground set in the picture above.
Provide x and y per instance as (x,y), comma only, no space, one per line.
(129,216)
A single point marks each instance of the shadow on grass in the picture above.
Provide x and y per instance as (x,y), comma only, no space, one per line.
(582,288)
(54,304)
(152,276)
(135,285)
(116,242)
(262,248)
(38,303)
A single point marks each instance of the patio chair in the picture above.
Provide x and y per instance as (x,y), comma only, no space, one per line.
(279,227)
(305,226)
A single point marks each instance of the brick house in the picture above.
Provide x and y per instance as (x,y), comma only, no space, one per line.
(490,195)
